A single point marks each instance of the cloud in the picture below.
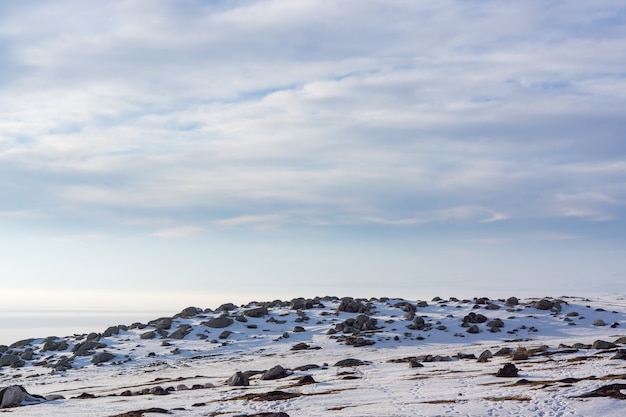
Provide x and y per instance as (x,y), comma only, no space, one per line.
(177,232)
(278,114)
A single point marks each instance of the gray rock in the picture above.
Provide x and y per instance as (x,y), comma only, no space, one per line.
(225,334)
(101,357)
(182,331)
(473,329)
(227,307)
(12,396)
(276,372)
(512,301)
(219,322)
(599,323)
(350,362)
(9,359)
(110,331)
(256,312)
(621,341)
(238,379)
(148,335)
(601,344)
(485,356)
(508,371)
(158,390)
(189,312)
(544,304)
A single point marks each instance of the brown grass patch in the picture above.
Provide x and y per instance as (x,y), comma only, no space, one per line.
(509,398)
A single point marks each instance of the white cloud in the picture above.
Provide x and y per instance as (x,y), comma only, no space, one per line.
(177,232)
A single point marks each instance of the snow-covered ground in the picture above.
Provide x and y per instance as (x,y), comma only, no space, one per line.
(414,359)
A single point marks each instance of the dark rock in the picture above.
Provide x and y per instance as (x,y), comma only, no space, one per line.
(148,335)
(544,304)
(101,357)
(298,329)
(21,344)
(238,379)
(256,312)
(227,307)
(507,371)
(219,322)
(350,362)
(473,329)
(276,372)
(9,359)
(620,354)
(189,312)
(110,331)
(621,341)
(182,331)
(305,380)
(163,323)
(485,356)
(611,390)
(512,301)
(599,323)
(601,344)
(225,334)
(158,390)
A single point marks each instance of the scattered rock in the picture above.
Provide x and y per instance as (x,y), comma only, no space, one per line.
(238,379)
(350,362)
(276,372)
(601,344)
(101,357)
(507,371)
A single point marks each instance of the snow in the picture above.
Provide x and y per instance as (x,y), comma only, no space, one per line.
(383,386)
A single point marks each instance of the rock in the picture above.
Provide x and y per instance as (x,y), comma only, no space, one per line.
(21,344)
(508,371)
(225,334)
(544,304)
(611,390)
(219,322)
(148,335)
(601,344)
(12,396)
(276,372)
(101,357)
(87,348)
(474,318)
(110,331)
(512,301)
(163,323)
(620,354)
(414,363)
(485,356)
(621,341)
(9,359)
(27,355)
(473,329)
(189,312)
(238,380)
(227,307)
(492,306)
(256,312)
(182,331)
(350,362)
(495,323)
(298,329)
(599,323)
(350,305)
(305,380)
(158,390)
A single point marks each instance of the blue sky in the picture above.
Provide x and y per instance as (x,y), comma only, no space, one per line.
(195,149)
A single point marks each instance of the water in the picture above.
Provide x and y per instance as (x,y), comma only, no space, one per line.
(19,325)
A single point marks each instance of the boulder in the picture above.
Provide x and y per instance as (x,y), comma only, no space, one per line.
(473,329)
(512,301)
(101,357)
(238,379)
(182,331)
(15,395)
(256,312)
(350,362)
(219,322)
(189,312)
(8,360)
(276,372)
(601,344)
(227,307)
(508,371)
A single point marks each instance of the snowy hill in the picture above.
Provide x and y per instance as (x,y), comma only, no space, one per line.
(406,358)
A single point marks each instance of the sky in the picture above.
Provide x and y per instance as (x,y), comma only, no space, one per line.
(160,154)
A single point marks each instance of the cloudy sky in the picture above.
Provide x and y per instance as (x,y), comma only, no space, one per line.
(278,148)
